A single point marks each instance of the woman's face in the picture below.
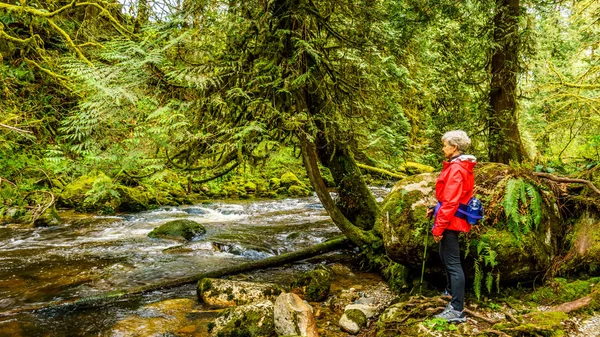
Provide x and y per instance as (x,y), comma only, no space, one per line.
(449,150)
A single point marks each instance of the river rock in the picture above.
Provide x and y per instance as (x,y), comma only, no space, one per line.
(352,321)
(178,230)
(368,310)
(249,320)
(315,284)
(293,316)
(156,319)
(228,293)
(515,245)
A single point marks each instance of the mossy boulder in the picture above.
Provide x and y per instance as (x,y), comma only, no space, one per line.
(352,321)
(248,320)
(274,184)
(518,243)
(413,168)
(89,193)
(289,179)
(178,230)
(298,191)
(250,187)
(227,293)
(133,199)
(315,284)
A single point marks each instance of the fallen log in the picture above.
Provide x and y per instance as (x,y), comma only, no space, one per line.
(319,249)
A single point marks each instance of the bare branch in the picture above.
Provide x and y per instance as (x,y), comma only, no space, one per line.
(567,180)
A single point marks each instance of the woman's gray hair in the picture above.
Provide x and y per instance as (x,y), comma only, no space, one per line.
(457,138)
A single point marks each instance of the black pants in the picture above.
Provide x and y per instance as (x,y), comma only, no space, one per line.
(455,277)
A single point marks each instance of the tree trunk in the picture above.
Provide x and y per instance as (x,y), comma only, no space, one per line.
(504,138)
(354,200)
(143,13)
(357,235)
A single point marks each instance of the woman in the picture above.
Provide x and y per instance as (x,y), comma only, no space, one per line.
(454,186)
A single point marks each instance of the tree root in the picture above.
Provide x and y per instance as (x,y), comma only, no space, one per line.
(322,248)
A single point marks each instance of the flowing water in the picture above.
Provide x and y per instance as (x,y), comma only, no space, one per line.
(89,255)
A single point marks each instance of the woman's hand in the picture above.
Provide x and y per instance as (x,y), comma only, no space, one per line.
(429,212)
(437,238)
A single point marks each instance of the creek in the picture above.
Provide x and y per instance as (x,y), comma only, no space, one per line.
(87,255)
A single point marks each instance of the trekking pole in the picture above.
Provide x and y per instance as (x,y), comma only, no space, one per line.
(425,252)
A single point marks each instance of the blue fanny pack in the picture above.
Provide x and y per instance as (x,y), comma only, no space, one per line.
(472,211)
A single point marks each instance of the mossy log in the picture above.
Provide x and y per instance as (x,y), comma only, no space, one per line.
(520,238)
(319,249)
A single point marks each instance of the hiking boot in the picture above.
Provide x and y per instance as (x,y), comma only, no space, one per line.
(451,315)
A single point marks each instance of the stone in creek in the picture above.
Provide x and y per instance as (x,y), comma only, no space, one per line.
(228,293)
(156,319)
(250,320)
(293,316)
(178,230)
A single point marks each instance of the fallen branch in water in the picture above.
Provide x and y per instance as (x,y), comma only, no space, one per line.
(322,248)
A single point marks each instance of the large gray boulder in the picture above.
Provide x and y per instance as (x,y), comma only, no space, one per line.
(519,238)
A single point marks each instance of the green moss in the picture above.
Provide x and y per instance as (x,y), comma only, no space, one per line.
(315,284)
(178,229)
(538,323)
(250,187)
(559,290)
(356,316)
(289,179)
(247,325)
(203,286)
(274,183)
(298,191)
(416,168)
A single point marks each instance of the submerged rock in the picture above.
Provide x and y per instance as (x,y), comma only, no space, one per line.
(178,229)
(293,316)
(228,293)
(156,319)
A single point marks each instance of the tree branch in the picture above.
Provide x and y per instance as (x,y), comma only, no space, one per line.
(14,128)
(567,180)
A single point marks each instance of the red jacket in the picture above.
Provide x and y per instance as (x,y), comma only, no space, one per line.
(454,186)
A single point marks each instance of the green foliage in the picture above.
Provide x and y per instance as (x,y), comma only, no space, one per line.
(485,257)
(522,207)
(440,324)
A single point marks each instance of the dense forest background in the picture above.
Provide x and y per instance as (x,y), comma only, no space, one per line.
(144,103)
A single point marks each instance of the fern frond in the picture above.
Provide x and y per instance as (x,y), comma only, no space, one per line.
(478,279)
(489,282)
